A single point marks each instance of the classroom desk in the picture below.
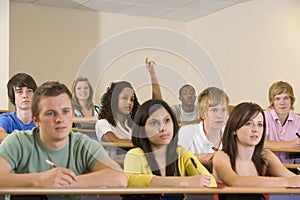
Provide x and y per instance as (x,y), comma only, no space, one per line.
(84,121)
(283,149)
(117,144)
(153,190)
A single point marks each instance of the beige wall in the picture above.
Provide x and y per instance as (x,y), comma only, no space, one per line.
(243,48)
(4,52)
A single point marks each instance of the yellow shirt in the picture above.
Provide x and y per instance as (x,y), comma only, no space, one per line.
(139,174)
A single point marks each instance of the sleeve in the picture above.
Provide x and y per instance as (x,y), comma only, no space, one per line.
(187,168)
(5,123)
(133,167)
(10,150)
(185,136)
(102,127)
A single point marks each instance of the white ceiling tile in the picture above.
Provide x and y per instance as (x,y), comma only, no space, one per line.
(59,3)
(183,15)
(182,10)
(171,4)
(141,10)
(107,6)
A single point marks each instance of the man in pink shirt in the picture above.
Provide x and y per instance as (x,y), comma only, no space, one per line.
(282,124)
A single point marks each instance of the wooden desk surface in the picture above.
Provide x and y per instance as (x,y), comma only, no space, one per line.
(284,150)
(153,190)
(84,121)
(116,144)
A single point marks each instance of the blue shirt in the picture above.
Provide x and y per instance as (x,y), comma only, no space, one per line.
(10,122)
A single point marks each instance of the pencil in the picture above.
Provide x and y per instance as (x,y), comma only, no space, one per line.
(195,165)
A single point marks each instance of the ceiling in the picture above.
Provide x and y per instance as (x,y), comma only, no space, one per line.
(181,10)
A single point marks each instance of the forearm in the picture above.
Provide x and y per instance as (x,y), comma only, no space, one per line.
(111,137)
(103,178)
(205,158)
(277,144)
(156,92)
(258,181)
(18,180)
(175,181)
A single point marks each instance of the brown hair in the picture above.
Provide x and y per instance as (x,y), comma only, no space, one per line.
(47,89)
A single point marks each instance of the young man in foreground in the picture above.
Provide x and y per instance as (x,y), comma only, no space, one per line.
(79,161)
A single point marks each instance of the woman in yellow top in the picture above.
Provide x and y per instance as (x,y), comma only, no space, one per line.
(157,160)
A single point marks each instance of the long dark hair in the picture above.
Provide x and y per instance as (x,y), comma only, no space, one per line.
(238,117)
(140,139)
(110,102)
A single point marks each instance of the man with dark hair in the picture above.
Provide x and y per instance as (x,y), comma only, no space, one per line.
(20,89)
(186,112)
(51,155)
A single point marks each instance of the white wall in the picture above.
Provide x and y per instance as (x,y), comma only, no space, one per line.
(243,48)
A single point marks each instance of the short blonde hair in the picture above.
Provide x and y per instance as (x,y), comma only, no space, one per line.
(278,88)
(210,97)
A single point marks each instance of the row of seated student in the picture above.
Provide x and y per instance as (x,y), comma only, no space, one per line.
(51,155)
(21,88)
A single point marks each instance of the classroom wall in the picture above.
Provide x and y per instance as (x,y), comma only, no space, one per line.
(4,52)
(243,48)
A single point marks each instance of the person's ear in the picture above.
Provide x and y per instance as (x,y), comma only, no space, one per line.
(180,98)
(36,121)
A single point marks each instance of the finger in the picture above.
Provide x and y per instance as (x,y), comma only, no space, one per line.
(146,61)
(70,173)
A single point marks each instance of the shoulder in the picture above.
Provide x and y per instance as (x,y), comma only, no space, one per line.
(21,137)
(294,116)
(267,154)
(182,151)
(102,122)
(136,150)
(8,116)
(220,155)
(176,108)
(191,129)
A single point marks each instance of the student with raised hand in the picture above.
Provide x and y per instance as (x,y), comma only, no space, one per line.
(118,107)
(157,160)
(282,123)
(243,161)
(186,112)
(20,89)
(80,161)
(205,138)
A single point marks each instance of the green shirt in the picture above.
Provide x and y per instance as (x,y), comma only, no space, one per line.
(24,151)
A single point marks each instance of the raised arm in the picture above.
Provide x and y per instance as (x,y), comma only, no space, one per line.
(156,92)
